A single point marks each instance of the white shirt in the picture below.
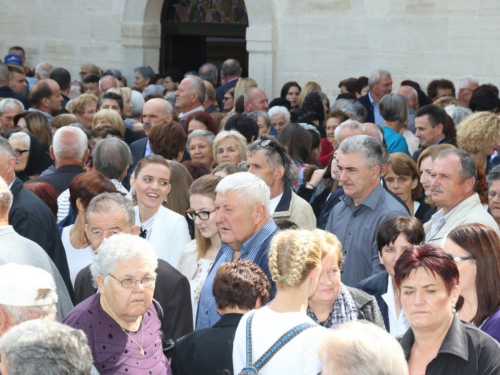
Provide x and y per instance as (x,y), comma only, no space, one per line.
(397,324)
(273,203)
(77,258)
(438,220)
(184,116)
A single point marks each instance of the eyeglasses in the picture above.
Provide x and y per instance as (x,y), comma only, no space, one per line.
(459,259)
(492,194)
(18,153)
(268,142)
(203,215)
(130,283)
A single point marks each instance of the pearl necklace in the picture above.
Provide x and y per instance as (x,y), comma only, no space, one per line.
(142,337)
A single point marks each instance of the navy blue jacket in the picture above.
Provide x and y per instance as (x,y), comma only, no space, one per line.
(376,286)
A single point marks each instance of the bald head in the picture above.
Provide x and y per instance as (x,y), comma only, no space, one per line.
(107,82)
(373,131)
(42,70)
(156,111)
(411,94)
(45,95)
(255,100)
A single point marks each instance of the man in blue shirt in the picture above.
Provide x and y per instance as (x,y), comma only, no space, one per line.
(380,83)
(246,229)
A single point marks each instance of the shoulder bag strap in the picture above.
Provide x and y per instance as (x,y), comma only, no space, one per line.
(249,338)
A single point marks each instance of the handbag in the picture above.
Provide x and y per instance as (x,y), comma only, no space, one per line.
(253,369)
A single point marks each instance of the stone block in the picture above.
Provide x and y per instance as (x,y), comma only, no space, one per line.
(473,34)
(421,7)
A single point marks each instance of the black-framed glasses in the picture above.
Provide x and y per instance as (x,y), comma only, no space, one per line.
(18,153)
(130,283)
(459,259)
(268,142)
(202,215)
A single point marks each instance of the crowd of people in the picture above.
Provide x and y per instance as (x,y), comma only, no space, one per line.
(186,224)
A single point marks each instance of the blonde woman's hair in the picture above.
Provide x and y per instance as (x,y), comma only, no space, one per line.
(294,254)
(124,92)
(81,100)
(476,130)
(112,117)
(307,89)
(331,243)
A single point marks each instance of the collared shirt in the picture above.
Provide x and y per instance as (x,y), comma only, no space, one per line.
(376,111)
(273,203)
(47,115)
(438,220)
(465,351)
(183,116)
(148,150)
(398,324)
(356,228)
(207,311)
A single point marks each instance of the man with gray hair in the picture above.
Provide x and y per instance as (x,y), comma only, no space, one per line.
(270,161)
(43,346)
(208,72)
(246,229)
(42,70)
(453,184)
(363,207)
(380,83)
(190,96)
(356,111)
(255,100)
(347,129)
(464,88)
(230,75)
(107,82)
(111,213)
(70,153)
(29,216)
(9,108)
(394,111)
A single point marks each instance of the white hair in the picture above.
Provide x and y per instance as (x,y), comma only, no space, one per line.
(153,90)
(351,124)
(202,133)
(360,347)
(43,73)
(376,75)
(10,103)
(279,110)
(137,101)
(341,105)
(24,136)
(457,113)
(69,143)
(464,81)
(118,248)
(109,76)
(249,188)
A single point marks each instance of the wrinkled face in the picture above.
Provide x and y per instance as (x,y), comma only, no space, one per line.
(426,134)
(17,83)
(111,104)
(391,253)
(494,201)
(201,151)
(330,126)
(228,102)
(19,146)
(196,125)
(228,151)
(383,87)
(467,269)
(426,302)
(7,118)
(55,99)
(447,187)
(425,174)
(87,114)
(293,95)
(443,92)
(356,176)
(201,203)
(235,220)
(152,185)
(140,81)
(184,98)
(91,88)
(107,83)
(153,113)
(258,102)
(328,288)
(279,122)
(401,185)
(102,225)
(263,129)
(128,304)
(258,165)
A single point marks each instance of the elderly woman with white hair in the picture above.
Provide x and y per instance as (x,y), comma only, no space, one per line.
(280,117)
(230,147)
(121,321)
(199,145)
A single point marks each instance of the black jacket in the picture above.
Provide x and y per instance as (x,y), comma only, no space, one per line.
(31,218)
(6,92)
(172,292)
(466,350)
(365,100)
(61,178)
(376,286)
(207,351)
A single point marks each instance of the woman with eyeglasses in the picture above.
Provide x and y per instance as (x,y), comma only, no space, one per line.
(475,248)
(31,158)
(165,229)
(198,255)
(334,303)
(121,321)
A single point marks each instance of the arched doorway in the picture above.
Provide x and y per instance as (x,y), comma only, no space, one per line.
(199,31)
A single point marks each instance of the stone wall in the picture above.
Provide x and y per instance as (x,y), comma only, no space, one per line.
(322,40)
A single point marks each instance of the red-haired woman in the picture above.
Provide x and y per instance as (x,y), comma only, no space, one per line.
(437,341)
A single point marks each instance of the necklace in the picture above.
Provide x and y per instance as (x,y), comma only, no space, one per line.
(142,337)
